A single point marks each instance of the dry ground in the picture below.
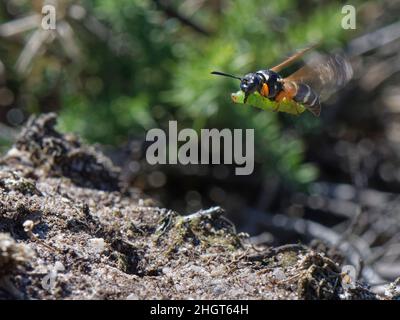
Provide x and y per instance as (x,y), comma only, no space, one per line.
(68,231)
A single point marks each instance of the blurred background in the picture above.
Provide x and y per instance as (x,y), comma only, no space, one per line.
(113,69)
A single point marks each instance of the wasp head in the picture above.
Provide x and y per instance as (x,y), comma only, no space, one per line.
(250,83)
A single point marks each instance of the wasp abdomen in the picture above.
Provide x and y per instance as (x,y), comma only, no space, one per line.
(305,95)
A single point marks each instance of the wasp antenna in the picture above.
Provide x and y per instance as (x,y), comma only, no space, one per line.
(225,75)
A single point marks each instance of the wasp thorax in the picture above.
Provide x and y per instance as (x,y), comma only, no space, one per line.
(251,82)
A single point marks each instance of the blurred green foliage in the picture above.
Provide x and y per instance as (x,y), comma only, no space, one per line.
(150,68)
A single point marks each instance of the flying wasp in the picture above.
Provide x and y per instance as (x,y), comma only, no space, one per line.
(307,86)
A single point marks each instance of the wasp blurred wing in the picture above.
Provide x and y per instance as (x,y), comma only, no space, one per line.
(324,74)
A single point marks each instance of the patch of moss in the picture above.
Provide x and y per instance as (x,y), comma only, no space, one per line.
(204,230)
(288,259)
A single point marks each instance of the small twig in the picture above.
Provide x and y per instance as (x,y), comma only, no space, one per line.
(164,6)
(20,25)
(213,212)
(28,227)
(274,251)
(354,250)
(35,42)
(374,40)
(166,223)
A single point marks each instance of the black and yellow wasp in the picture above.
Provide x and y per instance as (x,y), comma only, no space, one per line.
(307,86)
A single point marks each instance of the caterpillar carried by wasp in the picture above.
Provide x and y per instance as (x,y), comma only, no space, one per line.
(302,90)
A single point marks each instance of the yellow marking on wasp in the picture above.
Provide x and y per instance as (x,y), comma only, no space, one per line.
(264,90)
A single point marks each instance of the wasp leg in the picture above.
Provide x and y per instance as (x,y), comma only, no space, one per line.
(296,106)
(276,109)
(286,95)
(246,96)
(281,97)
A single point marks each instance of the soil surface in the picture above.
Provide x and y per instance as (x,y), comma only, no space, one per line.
(68,230)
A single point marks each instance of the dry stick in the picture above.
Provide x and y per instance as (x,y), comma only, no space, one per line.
(360,182)
(213,212)
(166,7)
(310,229)
(374,40)
(270,252)
(380,252)
(35,42)
(28,228)
(20,25)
